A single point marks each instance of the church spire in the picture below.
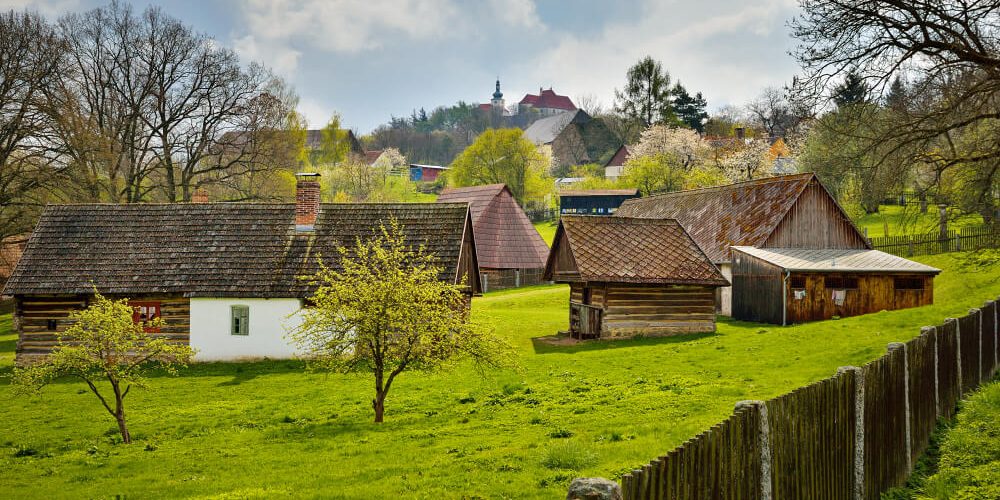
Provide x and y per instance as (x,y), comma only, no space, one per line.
(498,94)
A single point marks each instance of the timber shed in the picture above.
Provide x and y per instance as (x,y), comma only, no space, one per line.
(632,277)
(791,211)
(796,285)
(511,252)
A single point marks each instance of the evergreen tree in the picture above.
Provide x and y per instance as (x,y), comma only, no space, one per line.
(690,109)
(853,90)
(896,98)
(646,96)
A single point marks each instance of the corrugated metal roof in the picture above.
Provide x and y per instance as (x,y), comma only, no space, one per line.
(834,260)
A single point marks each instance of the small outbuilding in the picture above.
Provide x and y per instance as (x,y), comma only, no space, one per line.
(795,285)
(511,252)
(425,173)
(594,201)
(631,276)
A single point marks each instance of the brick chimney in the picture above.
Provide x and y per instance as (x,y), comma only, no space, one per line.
(306,201)
(199,196)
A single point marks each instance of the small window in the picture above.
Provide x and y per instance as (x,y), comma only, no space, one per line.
(241,320)
(52,325)
(797,282)
(144,312)
(841,283)
(908,283)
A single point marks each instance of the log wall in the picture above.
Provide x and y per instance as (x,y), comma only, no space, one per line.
(32,315)
(875,292)
(631,310)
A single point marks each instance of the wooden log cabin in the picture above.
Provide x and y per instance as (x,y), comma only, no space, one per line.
(224,277)
(794,285)
(791,211)
(632,276)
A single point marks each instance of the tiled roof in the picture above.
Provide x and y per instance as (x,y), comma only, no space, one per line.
(372,156)
(836,260)
(633,250)
(745,213)
(546,130)
(213,249)
(548,99)
(505,238)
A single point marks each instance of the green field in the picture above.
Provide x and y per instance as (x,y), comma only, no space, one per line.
(902,220)
(268,429)
(547,229)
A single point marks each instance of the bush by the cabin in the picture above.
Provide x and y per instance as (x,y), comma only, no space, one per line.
(221,430)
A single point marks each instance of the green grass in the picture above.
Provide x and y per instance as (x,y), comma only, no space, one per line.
(547,229)
(268,429)
(895,220)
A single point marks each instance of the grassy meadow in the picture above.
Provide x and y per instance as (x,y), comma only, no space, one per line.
(895,220)
(547,229)
(271,430)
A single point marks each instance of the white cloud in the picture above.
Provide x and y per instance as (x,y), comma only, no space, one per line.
(727,50)
(48,8)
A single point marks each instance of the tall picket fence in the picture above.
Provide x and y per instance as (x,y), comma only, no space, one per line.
(966,238)
(853,435)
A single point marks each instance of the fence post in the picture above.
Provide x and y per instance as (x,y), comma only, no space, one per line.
(958,353)
(859,428)
(958,243)
(931,331)
(979,314)
(764,441)
(899,346)
(943,223)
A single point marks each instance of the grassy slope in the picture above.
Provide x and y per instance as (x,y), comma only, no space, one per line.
(268,429)
(908,220)
(547,229)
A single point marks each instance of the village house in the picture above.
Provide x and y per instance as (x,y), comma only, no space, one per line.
(593,201)
(224,277)
(795,285)
(575,137)
(631,276)
(545,103)
(792,211)
(511,252)
(615,167)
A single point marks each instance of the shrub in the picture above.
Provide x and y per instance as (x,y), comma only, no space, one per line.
(569,455)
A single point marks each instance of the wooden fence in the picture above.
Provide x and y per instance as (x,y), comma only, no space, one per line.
(853,435)
(967,238)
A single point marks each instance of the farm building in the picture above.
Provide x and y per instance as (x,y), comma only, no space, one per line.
(575,137)
(425,173)
(511,252)
(206,267)
(594,201)
(631,276)
(795,285)
(792,211)
(615,167)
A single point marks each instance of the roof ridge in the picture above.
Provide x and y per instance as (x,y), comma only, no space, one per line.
(762,180)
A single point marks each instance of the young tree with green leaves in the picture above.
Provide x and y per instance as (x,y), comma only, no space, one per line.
(646,96)
(503,156)
(108,351)
(385,311)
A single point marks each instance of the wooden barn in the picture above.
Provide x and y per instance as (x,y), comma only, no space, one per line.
(631,276)
(796,285)
(792,211)
(205,268)
(511,252)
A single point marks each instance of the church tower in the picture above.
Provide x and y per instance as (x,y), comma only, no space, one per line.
(497,101)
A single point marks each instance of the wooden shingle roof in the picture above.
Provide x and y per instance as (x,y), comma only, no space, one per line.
(745,213)
(505,237)
(628,250)
(215,249)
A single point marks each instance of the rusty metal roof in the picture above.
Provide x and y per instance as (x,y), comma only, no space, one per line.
(634,250)
(505,238)
(744,213)
(836,260)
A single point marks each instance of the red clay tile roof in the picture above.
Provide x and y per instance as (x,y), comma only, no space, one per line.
(548,99)
(745,213)
(620,157)
(214,249)
(505,238)
(633,250)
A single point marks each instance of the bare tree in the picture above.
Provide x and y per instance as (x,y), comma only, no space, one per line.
(772,112)
(30,57)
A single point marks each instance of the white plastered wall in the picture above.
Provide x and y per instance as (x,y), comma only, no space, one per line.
(726,295)
(270,320)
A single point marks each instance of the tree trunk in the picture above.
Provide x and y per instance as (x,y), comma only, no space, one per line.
(123,428)
(378,404)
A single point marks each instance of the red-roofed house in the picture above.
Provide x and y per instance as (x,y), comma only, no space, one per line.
(510,251)
(546,103)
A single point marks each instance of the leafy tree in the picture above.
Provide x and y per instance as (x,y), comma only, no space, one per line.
(503,156)
(103,345)
(646,96)
(334,144)
(683,146)
(386,311)
(690,109)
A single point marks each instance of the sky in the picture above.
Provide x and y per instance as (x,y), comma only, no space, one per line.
(372,59)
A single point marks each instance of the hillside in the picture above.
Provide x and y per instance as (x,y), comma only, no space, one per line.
(269,429)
